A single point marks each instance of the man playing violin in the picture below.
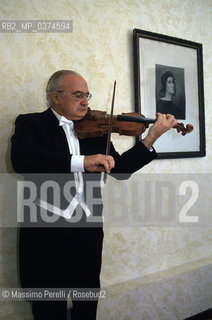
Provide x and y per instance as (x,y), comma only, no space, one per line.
(65,252)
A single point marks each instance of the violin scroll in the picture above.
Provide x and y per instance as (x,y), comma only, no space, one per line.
(184,130)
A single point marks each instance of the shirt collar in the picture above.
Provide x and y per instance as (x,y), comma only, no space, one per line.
(60,118)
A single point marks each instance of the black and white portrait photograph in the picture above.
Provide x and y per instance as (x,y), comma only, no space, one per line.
(170,91)
(168,79)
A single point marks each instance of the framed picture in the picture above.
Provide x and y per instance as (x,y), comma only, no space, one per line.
(168,78)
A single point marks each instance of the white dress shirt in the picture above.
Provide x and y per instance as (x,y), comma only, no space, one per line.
(76,167)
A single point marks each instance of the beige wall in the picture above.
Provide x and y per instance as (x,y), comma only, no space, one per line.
(100,48)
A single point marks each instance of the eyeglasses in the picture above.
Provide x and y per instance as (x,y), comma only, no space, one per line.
(79,96)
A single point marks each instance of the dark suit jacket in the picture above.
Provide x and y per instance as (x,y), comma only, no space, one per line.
(39,145)
(40,152)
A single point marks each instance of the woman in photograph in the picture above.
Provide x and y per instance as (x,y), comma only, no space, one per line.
(167,92)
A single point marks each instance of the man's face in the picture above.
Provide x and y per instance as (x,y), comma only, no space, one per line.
(68,106)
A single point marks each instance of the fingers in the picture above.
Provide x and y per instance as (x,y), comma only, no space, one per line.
(163,123)
(104,163)
(171,119)
(108,163)
(99,163)
(167,119)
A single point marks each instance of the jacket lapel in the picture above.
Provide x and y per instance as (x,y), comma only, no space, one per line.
(88,146)
(55,131)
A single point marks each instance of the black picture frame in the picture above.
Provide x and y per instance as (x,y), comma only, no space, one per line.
(160,57)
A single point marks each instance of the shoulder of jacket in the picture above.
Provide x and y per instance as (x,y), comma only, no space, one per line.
(31,116)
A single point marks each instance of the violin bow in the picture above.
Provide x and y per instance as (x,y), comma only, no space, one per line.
(110,127)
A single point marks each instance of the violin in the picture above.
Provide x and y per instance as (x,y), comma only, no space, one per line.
(96,124)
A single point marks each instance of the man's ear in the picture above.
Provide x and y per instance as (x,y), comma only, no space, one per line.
(55,97)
